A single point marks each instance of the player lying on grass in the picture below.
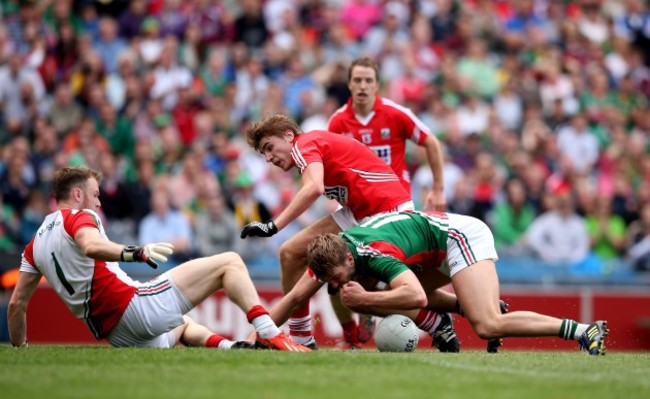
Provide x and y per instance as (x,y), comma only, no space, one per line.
(408,251)
(80,263)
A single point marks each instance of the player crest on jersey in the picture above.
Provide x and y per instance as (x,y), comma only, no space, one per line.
(366,138)
(385,132)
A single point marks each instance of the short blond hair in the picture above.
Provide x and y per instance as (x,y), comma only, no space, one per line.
(324,253)
(275,125)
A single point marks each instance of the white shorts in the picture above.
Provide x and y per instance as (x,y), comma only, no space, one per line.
(154,311)
(346,220)
(470,241)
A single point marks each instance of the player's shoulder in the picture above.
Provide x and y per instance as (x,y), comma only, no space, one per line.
(339,114)
(389,105)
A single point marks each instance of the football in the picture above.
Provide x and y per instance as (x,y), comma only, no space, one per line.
(396,333)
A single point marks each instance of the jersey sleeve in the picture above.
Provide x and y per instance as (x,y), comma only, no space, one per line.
(78,220)
(333,125)
(305,152)
(386,268)
(414,128)
(27,259)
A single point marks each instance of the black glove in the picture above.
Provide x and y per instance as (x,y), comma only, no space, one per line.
(257,229)
(149,253)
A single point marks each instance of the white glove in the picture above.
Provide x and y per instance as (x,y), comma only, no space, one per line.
(150,253)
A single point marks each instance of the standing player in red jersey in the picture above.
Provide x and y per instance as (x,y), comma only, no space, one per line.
(340,168)
(80,263)
(384,126)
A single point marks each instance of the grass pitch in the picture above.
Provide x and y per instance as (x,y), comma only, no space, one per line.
(104,372)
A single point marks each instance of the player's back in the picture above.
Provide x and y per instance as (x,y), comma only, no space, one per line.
(353,174)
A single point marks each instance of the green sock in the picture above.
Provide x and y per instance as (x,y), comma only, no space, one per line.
(568,329)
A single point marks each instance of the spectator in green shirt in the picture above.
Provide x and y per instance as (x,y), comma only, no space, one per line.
(510,218)
(606,230)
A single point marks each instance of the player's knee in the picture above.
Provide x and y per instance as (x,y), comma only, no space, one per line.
(291,256)
(486,328)
(229,258)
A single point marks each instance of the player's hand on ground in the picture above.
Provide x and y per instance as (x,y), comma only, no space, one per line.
(257,229)
(352,294)
(150,253)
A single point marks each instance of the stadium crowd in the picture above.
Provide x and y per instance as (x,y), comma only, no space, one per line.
(542,107)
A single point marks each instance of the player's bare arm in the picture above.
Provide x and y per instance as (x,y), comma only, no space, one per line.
(405,293)
(304,289)
(17,311)
(435,198)
(94,246)
(312,188)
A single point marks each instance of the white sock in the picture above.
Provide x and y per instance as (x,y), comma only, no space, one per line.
(579,330)
(265,326)
(226,344)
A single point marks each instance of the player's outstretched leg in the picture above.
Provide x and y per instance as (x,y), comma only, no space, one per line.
(493,345)
(593,339)
(444,338)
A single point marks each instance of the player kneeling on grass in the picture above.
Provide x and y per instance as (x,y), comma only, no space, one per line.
(73,253)
(408,251)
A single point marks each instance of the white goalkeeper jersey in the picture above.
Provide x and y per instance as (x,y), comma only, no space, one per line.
(97,292)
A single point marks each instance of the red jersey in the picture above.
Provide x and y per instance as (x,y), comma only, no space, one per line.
(354,175)
(95,291)
(385,130)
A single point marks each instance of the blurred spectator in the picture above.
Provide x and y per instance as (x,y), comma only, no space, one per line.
(578,144)
(478,76)
(32,217)
(19,176)
(606,230)
(216,229)
(250,27)
(511,218)
(638,240)
(65,113)
(109,45)
(130,22)
(165,224)
(559,235)
(21,86)
(360,16)
(9,227)
(169,77)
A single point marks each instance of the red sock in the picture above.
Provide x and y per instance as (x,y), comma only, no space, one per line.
(426,320)
(255,311)
(213,341)
(351,332)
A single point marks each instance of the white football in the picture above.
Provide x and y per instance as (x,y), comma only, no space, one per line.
(396,333)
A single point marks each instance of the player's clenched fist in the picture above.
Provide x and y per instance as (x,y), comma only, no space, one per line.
(257,229)
(149,253)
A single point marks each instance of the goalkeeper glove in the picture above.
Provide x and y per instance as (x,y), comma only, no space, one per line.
(258,229)
(149,253)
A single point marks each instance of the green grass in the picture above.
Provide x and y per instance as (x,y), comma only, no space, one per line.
(103,372)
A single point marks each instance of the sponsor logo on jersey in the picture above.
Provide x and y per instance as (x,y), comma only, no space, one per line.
(385,132)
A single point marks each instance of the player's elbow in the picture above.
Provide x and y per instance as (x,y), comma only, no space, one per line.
(419,300)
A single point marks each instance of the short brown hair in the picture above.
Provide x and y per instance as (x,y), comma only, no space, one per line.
(364,62)
(274,125)
(68,177)
(324,253)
